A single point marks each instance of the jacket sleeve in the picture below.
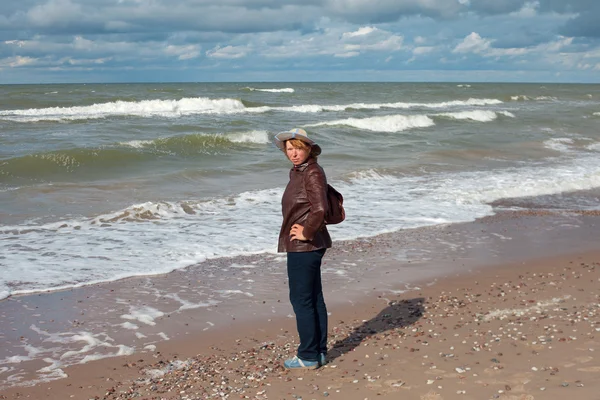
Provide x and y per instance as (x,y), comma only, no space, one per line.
(316,191)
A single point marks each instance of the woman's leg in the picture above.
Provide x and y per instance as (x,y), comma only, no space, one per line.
(304,271)
(321,310)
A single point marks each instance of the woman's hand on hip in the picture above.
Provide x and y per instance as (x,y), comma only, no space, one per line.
(297,232)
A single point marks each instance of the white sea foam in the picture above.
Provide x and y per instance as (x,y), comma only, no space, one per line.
(593,146)
(129,325)
(138,144)
(187,305)
(73,348)
(258,137)
(597,114)
(283,90)
(523,97)
(399,123)
(145,314)
(388,123)
(122,351)
(144,108)
(475,115)
(232,292)
(158,237)
(203,105)
(559,144)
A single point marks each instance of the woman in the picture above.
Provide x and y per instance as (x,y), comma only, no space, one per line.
(304,237)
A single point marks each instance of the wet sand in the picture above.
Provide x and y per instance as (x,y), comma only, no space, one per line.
(505,307)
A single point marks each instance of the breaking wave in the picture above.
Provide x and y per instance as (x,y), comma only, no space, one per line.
(399,123)
(203,105)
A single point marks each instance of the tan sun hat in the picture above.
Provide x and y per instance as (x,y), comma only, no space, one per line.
(296,133)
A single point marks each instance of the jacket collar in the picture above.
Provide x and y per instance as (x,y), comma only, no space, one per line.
(305,165)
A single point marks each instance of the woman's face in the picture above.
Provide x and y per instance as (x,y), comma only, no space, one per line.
(296,156)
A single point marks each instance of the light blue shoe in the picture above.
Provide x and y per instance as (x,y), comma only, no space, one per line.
(322,359)
(298,363)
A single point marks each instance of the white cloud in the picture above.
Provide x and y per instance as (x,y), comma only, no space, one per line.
(549,52)
(18,61)
(473,43)
(183,52)
(360,32)
(423,50)
(228,52)
(529,10)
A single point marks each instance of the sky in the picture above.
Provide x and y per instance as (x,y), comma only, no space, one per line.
(62,41)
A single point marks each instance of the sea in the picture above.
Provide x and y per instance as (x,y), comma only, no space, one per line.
(100,182)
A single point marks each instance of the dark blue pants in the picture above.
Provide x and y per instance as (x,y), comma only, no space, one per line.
(306,296)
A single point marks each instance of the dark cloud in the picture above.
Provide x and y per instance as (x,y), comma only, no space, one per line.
(491,7)
(358,11)
(587,21)
(527,37)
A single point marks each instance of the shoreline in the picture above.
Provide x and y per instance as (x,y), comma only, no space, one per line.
(424,328)
(353,273)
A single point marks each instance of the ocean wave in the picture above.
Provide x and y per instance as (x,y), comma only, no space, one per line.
(40,166)
(522,97)
(596,114)
(159,236)
(476,115)
(283,90)
(198,141)
(399,123)
(388,123)
(202,105)
(593,146)
(144,108)
(559,144)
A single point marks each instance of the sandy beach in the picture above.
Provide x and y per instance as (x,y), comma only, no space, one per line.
(514,315)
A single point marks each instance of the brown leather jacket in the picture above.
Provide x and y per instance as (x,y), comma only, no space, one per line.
(304,202)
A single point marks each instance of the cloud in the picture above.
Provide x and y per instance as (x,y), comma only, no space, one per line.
(365,30)
(183,52)
(260,38)
(423,50)
(473,44)
(496,6)
(367,11)
(228,52)
(17,61)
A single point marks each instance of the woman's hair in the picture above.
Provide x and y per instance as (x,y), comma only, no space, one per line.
(299,144)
